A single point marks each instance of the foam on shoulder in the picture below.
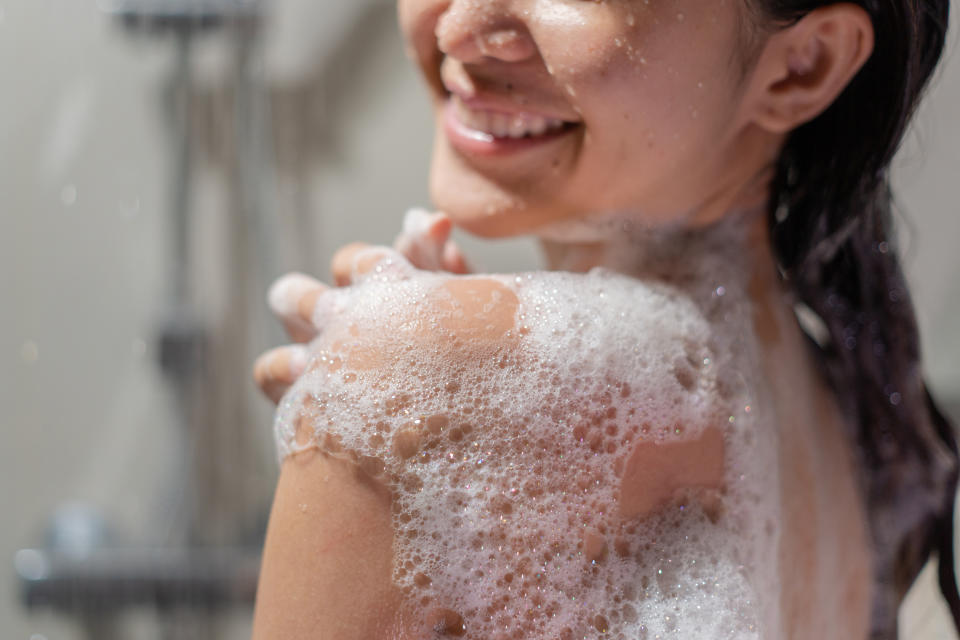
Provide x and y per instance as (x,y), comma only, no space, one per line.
(518,420)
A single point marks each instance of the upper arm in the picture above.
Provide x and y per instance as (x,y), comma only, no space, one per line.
(327,560)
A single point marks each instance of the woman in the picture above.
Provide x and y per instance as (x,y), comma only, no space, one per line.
(730,158)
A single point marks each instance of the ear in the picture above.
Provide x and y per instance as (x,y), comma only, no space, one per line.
(804,67)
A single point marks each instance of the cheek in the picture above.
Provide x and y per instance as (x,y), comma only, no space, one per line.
(655,98)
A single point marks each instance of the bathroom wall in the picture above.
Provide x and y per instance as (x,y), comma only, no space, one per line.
(82,191)
(85,157)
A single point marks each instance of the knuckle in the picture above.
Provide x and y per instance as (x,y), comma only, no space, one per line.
(342,261)
(260,371)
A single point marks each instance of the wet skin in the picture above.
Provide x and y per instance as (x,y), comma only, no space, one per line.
(662,121)
(650,122)
(329,549)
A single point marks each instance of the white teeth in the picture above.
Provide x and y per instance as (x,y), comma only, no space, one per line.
(502,125)
(499,125)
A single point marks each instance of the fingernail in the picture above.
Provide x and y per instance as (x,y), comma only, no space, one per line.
(287,291)
(298,361)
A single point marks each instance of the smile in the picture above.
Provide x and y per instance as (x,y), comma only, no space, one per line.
(477,130)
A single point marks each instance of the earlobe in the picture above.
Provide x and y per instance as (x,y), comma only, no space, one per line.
(803,68)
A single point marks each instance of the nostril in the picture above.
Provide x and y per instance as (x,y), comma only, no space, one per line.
(470,36)
(509,45)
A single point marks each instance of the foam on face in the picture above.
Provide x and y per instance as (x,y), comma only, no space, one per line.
(503,412)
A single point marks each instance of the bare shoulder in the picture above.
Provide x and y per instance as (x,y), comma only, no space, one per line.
(512,421)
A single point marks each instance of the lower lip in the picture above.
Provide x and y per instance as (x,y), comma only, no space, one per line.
(474,142)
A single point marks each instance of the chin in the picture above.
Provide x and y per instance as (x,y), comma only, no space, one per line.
(487,209)
(479,207)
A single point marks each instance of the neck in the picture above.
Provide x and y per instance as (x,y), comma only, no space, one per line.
(736,248)
(730,223)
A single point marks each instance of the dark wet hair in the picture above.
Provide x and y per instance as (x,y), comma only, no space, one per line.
(830,218)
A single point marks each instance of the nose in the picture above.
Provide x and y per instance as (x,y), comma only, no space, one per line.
(470,30)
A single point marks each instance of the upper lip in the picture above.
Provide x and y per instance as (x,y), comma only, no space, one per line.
(473,90)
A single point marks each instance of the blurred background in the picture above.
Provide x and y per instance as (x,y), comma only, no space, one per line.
(161,161)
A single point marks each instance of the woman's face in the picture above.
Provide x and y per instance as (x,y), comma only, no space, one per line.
(549,110)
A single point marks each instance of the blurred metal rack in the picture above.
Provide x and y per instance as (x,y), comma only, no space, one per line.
(112,579)
(80,572)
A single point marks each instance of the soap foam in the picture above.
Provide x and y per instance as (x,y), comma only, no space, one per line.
(504,449)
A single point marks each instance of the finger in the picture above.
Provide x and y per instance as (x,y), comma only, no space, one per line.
(356,260)
(454,260)
(440,228)
(277,369)
(414,243)
(342,264)
(383,260)
(293,298)
(423,237)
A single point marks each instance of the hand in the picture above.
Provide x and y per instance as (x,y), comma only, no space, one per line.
(424,242)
